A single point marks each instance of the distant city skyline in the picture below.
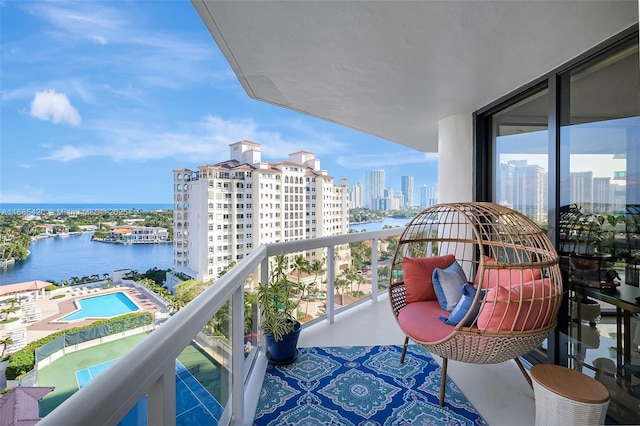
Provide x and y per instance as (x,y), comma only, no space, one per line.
(102,100)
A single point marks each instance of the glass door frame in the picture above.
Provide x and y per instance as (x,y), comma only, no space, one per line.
(484,167)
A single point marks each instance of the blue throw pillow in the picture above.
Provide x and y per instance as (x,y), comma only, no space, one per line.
(468,293)
(447,284)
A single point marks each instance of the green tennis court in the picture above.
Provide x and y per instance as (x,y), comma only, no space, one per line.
(194,404)
(198,374)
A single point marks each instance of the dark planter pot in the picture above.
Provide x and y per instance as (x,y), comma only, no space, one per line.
(284,351)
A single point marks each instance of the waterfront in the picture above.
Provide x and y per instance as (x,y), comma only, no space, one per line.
(60,258)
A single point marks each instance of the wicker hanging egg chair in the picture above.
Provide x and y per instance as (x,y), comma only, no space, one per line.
(475,282)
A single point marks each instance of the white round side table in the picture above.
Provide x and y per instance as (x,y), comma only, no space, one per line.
(567,397)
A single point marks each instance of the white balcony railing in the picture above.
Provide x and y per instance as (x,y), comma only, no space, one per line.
(149,368)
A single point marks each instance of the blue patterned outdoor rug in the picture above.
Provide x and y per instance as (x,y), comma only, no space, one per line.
(361,386)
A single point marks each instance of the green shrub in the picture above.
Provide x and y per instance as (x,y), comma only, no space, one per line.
(51,287)
(58,296)
(24,360)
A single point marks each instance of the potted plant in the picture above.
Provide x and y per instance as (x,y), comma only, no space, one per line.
(278,300)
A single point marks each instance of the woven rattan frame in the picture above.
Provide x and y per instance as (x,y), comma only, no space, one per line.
(472,232)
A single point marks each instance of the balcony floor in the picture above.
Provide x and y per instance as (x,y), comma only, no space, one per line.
(499,392)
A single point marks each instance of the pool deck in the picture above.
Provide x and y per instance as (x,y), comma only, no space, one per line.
(52,309)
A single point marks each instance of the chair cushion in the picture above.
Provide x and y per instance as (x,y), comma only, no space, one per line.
(417,273)
(468,293)
(447,284)
(517,308)
(505,277)
(419,321)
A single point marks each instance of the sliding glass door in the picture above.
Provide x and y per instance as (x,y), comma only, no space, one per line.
(565,151)
(599,119)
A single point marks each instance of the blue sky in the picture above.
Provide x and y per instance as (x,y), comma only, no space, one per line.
(102,100)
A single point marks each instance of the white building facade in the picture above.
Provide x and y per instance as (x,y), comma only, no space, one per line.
(373,187)
(223,210)
(356,196)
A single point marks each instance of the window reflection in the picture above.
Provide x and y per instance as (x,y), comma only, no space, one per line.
(521,139)
(599,232)
(600,161)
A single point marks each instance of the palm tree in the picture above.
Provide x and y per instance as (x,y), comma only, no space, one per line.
(225,270)
(5,342)
(8,311)
(175,304)
(359,280)
(317,267)
(348,275)
(13,301)
(302,266)
(341,283)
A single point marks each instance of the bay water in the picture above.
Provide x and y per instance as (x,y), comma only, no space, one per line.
(60,258)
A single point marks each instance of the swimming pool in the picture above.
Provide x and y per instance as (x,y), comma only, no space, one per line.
(104,306)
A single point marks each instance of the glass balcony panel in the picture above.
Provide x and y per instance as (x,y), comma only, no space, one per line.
(351,285)
(386,248)
(203,371)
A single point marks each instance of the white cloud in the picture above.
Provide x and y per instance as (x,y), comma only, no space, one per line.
(99,39)
(82,19)
(161,58)
(200,142)
(55,107)
(67,153)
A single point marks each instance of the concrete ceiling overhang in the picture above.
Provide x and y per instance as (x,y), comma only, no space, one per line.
(393,69)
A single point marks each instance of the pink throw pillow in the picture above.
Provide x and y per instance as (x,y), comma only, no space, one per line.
(505,277)
(417,274)
(518,308)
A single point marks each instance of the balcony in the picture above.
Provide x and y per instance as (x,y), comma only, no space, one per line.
(498,392)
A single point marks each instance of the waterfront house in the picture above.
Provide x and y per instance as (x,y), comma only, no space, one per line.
(138,234)
(149,234)
(119,234)
(518,98)
(45,229)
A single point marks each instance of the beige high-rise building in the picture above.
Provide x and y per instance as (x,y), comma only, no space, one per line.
(224,210)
